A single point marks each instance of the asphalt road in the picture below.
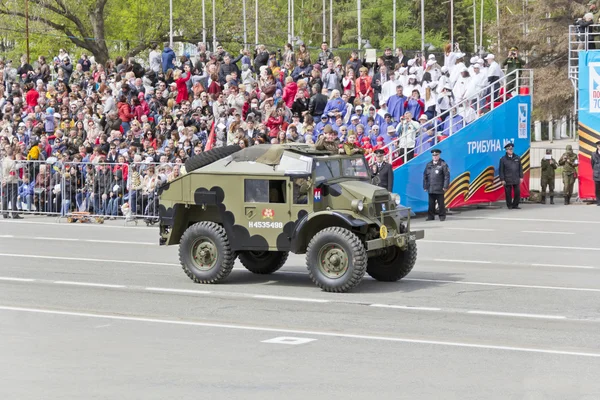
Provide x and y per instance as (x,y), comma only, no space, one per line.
(501,305)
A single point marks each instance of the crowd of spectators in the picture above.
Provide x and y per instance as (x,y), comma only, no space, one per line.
(79,135)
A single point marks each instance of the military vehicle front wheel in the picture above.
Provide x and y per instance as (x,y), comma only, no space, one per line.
(205,253)
(394,265)
(336,259)
(263,262)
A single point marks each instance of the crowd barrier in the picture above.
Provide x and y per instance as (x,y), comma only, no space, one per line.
(88,191)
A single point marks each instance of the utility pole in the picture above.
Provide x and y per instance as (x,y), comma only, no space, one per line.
(324,21)
(474,26)
(289,21)
(204,22)
(481,30)
(452,23)
(256,22)
(331,23)
(422,27)
(245,27)
(394,25)
(293,27)
(498,24)
(358,9)
(214,27)
(27,28)
(171,23)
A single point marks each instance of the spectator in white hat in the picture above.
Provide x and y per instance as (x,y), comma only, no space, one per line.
(456,71)
(494,73)
(444,79)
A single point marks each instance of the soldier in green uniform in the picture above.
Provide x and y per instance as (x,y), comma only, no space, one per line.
(328,141)
(569,163)
(301,188)
(512,63)
(548,175)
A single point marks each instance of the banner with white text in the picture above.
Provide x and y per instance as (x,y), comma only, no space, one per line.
(473,155)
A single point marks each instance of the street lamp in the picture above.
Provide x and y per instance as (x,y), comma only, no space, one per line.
(366,44)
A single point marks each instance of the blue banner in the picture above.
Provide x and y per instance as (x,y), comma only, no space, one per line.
(473,155)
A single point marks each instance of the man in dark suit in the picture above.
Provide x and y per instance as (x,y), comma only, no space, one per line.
(379,79)
(510,171)
(383,175)
(436,179)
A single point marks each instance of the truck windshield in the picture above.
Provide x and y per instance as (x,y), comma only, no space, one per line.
(340,168)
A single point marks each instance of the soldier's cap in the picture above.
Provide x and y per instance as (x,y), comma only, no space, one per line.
(327,129)
(324,116)
(549,151)
(436,151)
(509,146)
(380,152)
(514,48)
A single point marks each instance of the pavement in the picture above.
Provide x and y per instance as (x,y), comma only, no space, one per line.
(502,304)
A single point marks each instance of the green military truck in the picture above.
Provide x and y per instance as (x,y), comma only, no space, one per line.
(262,202)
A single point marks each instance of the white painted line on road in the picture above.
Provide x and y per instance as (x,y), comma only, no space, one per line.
(288,340)
(67,224)
(305,332)
(102,285)
(529,219)
(504,285)
(505,314)
(470,229)
(405,307)
(535,246)
(61,239)
(304,299)
(6,236)
(86,259)
(550,232)
(564,266)
(462,261)
(167,290)
(7,278)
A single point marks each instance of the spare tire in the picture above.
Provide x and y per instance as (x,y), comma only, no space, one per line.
(209,157)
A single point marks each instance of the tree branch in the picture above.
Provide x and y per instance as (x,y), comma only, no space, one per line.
(63,13)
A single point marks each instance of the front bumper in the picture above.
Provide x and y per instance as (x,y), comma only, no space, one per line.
(401,240)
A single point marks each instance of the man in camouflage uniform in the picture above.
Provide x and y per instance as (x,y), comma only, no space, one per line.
(512,63)
(569,163)
(328,141)
(548,176)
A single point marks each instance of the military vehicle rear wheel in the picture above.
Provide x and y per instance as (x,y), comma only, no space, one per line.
(263,262)
(205,253)
(394,265)
(336,259)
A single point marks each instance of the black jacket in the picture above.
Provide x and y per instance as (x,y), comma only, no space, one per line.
(385,175)
(436,178)
(317,104)
(596,166)
(510,169)
(103,182)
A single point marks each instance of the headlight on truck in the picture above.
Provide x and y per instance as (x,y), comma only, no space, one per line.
(357,205)
(396,198)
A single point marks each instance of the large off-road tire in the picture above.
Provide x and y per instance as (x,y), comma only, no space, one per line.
(205,253)
(394,265)
(336,259)
(209,157)
(263,262)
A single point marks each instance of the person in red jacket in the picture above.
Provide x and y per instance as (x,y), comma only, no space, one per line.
(182,92)
(363,84)
(275,122)
(125,114)
(31,97)
(289,91)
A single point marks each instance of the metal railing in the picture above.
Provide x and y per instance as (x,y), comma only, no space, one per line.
(470,109)
(87,191)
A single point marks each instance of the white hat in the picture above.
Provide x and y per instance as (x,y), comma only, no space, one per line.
(390,128)
(431,57)
(480,61)
(411,76)
(354,117)
(444,69)
(402,70)
(476,66)
(423,116)
(489,57)
(358,108)
(411,62)
(459,55)
(430,62)
(412,70)
(464,69)
(473,60)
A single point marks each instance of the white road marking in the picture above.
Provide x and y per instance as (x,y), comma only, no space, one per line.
(61,239)
(305,332)
(102,285)
(504,285)
(470,229)
(462,261)
(406,307)
(6,236)
(168,290)
(535,246)
(564,266)
(87,259)
(304,299)
(505,314)
(288,340)
(92,225)
(529,219)
(550,232)
(8,278)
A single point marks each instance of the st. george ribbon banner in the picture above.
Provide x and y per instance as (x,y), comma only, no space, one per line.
(473,155)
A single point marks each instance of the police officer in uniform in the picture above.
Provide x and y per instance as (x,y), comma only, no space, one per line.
(569,163)
(436,179)
(383,176)
(510,171)
(548,175)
